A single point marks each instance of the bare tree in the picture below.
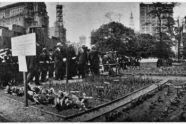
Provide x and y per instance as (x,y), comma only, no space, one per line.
(163,12)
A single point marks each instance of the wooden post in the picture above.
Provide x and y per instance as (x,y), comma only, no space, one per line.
(179,40)
(177,92)
(67,69)
(25,92)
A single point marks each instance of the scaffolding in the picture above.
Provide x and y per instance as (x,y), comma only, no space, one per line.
(60,31)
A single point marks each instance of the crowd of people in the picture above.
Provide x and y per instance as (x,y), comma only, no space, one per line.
(52,63)
(112,59)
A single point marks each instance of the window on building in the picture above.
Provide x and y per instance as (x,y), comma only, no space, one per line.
(15,11)
(1,15)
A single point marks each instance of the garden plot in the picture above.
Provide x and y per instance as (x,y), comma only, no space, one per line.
(168,104)
(151,69)
(99,90)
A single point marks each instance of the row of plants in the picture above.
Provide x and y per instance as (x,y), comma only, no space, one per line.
(98,90)
(105,88)
(167,104)
(174,70)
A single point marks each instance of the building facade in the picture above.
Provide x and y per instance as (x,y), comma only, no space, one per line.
(148,23)
(18,18)
(25,14)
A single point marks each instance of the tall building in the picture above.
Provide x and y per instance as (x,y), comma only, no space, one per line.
(131,21)
(25,14)
(60,31)
(148,23)
(18,18)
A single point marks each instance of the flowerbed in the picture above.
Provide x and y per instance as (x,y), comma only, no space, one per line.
(101,90)
(105,87)
(166,105)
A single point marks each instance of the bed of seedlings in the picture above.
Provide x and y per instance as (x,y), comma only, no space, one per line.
(168,104)
(151,69)
(97,90)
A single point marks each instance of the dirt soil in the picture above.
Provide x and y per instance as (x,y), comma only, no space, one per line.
(49,107)
(14,111)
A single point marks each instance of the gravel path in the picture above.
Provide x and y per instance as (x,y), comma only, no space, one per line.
(15,111)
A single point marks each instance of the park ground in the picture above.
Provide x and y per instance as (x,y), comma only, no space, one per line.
(152,109)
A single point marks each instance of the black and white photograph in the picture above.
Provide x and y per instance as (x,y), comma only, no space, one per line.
(80,61)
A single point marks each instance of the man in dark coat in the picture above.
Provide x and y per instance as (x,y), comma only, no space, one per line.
(159,62)
(72,65)
(51,64)
(7,73)
(59,65)
(82,62)
(94,61)
(44,62)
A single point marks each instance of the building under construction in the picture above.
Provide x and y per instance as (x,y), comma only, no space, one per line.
(60,31)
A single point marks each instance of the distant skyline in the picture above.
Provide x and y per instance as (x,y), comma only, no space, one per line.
(80,18)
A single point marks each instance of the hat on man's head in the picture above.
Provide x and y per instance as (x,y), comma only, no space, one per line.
(93,47)
(59,44)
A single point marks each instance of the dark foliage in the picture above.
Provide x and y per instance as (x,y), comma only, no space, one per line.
(114,36)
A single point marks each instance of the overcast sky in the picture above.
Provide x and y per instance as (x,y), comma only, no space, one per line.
(81,18)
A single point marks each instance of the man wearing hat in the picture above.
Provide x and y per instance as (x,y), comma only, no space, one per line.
(82,61)
(72,65)
(51,63)
(94,61)
(59,65)
(44,62)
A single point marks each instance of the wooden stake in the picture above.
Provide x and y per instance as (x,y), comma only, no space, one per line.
(25,92)
(67,71)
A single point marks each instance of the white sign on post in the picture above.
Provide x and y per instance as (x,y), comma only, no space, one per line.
(24,45)
(22,63)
